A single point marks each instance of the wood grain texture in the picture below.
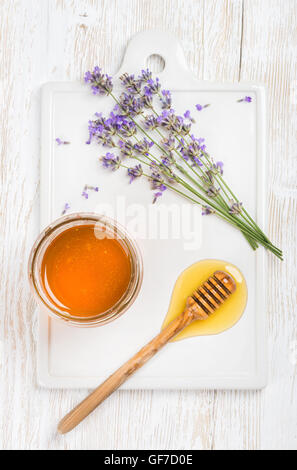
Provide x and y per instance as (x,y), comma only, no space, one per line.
(224,40)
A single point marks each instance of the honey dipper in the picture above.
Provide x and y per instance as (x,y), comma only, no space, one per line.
(204,301)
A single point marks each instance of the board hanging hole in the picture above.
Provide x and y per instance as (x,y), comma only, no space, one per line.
(155,63)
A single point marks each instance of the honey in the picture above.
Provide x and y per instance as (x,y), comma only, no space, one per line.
(225,316)
(85,274)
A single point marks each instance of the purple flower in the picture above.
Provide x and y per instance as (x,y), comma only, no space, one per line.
(111,161)
(199,107)
(219,167)
(246,99)
(206,210)
(101,84)
(169,143)
(211,190)
(135,172)
(66,208)
(168,160)
(156,196)
(166,99)
(143,146)
(132,84)
(167,119)
(89,188)
(151,122)
(127,148)
(153,85)
(61,142)
(235,207)
(156,178)
(215,169)
(145,75)
(187,115)
(147,98)
(131,105)
(127,128)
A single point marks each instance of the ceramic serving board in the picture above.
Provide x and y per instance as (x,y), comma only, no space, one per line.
(235,134)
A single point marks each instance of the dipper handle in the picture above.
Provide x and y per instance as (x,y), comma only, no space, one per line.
(203,302)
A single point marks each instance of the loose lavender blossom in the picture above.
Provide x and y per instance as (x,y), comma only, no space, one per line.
(87,188)
(62,142)
(199,107)
(157,196)
(66,208)
(246,99)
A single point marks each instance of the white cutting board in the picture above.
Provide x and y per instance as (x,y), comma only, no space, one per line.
(235,133)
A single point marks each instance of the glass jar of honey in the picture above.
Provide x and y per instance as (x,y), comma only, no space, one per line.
(85,269)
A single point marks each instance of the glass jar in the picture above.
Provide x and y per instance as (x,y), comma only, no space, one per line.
(104,226)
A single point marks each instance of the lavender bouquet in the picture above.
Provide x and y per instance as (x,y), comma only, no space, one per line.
(143,127)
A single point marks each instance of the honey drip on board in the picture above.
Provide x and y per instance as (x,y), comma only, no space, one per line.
(225,316)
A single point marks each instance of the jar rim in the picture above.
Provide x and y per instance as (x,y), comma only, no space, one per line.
(57,227)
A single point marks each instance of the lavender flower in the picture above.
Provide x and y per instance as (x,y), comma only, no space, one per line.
(235,207)
(168,160)
(143,147)
(127,128)
(132,84)
(214,169)
(91,188)
(206,210)
(157,195)
(61,142)
(211,190)
(153,85)
(109,160)
(140,93)
(135,172)
(66,208)
(187,115)
(246,99)
(85,195)
(156,178)
(166,99)
(127,148)
(147,98)
(151,122)
(199,107)
(169,142)
(167,119)
(145,75)
(101,84)
(131,105)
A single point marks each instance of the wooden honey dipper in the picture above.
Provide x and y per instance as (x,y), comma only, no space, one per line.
(204,301)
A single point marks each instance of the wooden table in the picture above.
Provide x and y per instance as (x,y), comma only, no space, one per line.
(43,40)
